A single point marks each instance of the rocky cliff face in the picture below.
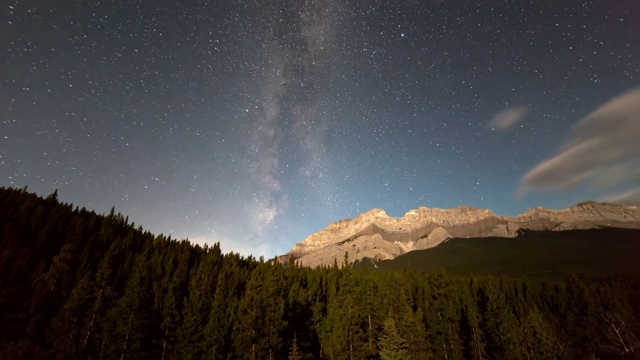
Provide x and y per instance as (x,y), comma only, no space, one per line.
(377,236)
(414,221)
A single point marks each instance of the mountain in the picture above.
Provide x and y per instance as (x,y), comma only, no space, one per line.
(376,235)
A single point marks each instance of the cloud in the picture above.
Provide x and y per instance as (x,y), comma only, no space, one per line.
(508,117)
(629,198)
(622,174)
(603,148)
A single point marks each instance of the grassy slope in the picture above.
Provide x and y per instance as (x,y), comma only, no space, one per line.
(539,253)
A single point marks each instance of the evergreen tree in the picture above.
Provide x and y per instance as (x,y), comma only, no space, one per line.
(294,353)
(130,324)
(66,329)
(224,312)
(580,310)
(539,338)
(500,322)
(413,330)
(442,315)
(346,325)
(259,334)
(392,345)
(197,307)
(172,302)
(475,343)
(102,299)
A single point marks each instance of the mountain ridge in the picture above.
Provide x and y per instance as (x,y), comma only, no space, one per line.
(374,234)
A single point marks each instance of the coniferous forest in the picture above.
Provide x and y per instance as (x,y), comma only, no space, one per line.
(79,285)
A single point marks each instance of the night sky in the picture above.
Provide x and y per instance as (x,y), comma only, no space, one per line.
(257,123)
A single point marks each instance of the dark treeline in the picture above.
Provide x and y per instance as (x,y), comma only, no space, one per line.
(78,285)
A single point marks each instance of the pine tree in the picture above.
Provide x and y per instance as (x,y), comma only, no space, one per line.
(131,322)
(294,353)
(346,326)
(413,330)
(259,333)
(102,298)
(65,333)
(220,323)
(392,345)
(539,337)
(59,277)
(172,303)
(197,307)
(475,344)
(442,315)
(500,322)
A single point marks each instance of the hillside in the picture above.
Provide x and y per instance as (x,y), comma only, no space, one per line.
(376,235)
(532,253)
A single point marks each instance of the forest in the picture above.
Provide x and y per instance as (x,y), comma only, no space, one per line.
(75,284)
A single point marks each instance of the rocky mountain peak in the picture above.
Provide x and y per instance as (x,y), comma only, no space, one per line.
(374,234)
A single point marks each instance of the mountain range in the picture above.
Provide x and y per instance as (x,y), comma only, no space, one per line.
(375,235)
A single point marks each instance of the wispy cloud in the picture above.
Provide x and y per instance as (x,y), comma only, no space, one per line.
(603,149)
(508,117)
(629,198)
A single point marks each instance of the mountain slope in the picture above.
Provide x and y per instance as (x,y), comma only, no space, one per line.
(377,236)
(533,253)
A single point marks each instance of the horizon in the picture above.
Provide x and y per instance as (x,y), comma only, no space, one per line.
(239,250)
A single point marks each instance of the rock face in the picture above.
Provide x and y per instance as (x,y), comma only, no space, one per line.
(375,235)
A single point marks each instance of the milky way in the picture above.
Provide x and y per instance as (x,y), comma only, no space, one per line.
(256,124)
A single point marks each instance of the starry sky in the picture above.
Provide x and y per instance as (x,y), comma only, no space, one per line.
(257,123)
